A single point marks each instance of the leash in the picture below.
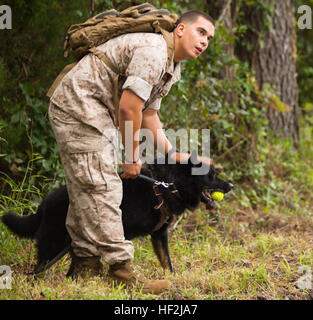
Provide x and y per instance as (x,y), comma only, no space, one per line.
(51,262)
(163,184)
(162,205)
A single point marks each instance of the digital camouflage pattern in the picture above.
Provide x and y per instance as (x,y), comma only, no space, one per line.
(82,113)
(141,58)
(94,219)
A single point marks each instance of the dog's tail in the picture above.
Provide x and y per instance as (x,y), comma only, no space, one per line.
(23,226)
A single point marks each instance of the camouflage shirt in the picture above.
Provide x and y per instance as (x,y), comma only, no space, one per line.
(140,57)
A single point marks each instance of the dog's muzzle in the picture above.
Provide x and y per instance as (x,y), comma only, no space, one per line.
(207,199)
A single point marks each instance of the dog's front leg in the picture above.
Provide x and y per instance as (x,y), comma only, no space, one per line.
(160,245)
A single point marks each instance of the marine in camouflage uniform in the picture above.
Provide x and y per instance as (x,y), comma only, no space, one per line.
(81,113)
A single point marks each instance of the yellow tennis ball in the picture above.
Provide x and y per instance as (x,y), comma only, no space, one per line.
(217,196)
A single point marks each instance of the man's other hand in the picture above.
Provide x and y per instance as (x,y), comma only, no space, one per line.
(131,170)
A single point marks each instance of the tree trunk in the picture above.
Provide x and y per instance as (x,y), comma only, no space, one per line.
(273,57)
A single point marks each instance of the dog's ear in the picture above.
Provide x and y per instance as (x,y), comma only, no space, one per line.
(193,160)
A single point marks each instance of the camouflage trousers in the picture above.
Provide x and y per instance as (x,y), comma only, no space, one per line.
(94,219)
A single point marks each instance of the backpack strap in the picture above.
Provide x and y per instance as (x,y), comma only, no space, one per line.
(56,82)
(169,39)
(102,56)
(135,11)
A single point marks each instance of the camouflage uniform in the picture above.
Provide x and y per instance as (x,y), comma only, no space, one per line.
(81,111)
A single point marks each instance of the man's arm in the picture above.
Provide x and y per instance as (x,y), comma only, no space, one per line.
(151,121)
(130,109)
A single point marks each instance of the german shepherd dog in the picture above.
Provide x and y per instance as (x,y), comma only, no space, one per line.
(148,208)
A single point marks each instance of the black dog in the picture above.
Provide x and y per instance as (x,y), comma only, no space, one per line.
(146,209)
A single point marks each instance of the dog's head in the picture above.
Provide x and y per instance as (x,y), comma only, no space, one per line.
(193,183)
(209,180)
(213,183)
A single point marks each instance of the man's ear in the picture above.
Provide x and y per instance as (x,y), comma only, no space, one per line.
(180,29)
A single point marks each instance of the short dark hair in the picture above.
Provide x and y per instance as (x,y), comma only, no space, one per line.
(192,15)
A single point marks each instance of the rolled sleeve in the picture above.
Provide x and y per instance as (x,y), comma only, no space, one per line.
(138,86)
(155,105)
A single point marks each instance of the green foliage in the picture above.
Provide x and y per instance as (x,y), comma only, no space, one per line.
(32,55)
(203,93)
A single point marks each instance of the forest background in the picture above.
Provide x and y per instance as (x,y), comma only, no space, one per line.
(253,88)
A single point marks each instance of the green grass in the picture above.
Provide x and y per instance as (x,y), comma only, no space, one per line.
(224,261)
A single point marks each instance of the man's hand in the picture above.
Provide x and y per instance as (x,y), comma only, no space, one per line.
(131,170)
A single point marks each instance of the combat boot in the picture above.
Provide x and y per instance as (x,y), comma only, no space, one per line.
(124,273)
(84,267)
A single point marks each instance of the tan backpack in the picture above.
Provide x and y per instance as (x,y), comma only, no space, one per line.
(83,38)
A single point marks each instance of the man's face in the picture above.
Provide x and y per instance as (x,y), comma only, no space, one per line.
(193,38)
